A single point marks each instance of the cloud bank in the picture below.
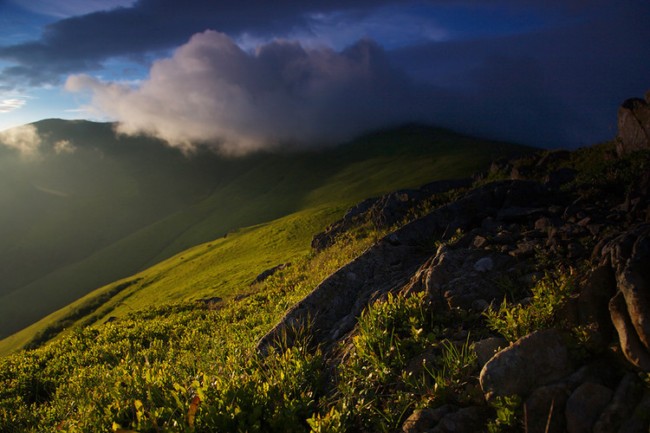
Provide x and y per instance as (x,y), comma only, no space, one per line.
(24,139)
(213,92)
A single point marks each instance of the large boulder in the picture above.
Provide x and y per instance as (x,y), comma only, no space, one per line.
(537,359)
(629,255)
(585,406)
(633,125)
(462,278)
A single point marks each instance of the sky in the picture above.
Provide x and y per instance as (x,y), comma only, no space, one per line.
(253,74)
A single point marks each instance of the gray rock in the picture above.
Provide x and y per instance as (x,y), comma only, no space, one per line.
(537,359)
(387,267)
(629,341)
(465,420)
(633,126)
(595,292)
(267,273)
(639,421)
(423,420)
(485,349)
(629,255)
(484,264)
(585,406)
(634,282)
(559,177)
(626,397)
(545,409)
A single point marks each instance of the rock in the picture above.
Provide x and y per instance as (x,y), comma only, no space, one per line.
(525,249)
(532,361)
(585,405)
(559,177)
(465,420)
(627,395)
(596,291)
(387,267)
(634,282)
(633,126)
(484,264)
(629,341)
(479,241)
(267,273)
(545,409)
(384,211)
(629,255)
(485,349)
(423,420)
(210,302)
(639,422)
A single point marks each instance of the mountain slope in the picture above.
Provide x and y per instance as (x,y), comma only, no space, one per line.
(482,307)
(143,203)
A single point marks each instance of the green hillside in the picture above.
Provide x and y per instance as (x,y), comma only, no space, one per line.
(176,347)
(118,205)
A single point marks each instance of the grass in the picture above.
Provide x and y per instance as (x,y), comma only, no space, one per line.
(514,319)
(243,193)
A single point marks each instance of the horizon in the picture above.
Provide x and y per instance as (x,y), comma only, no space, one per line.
(249,77)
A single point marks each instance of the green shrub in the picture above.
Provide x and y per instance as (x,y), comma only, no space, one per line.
(514,320)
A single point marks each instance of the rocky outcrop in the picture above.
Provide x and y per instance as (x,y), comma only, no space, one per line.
(333,306)
(495,242)
(629,256)
(385,211)
(633,125)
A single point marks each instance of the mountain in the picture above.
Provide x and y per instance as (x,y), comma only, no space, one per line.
(90,208)
(514,301)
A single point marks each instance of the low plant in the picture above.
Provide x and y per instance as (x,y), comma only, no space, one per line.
(514,320)
(507,415)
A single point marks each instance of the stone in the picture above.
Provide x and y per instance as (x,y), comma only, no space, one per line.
(596,291)
(537,359)
(629,341)
(466,420)
(423,420)
(269,272)
(633,126)
(559,177)
(629,256)
(480,241)
(638,422)
(626,396)
(585,405)
(485,349)
(545,409)
(484,264)
(634,282)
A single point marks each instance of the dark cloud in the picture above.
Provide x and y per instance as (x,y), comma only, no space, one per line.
(559,87)
(82,43)
(556,82)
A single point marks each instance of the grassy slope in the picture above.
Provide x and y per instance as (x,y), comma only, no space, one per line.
(318,186)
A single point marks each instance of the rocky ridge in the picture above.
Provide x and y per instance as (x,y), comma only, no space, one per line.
(584,213)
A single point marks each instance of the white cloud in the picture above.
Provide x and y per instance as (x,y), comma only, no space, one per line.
(64,146)
(24,139)
(211,91)
(10,104)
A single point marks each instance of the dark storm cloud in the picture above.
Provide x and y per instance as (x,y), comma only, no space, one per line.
(83,42)
(552,88)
